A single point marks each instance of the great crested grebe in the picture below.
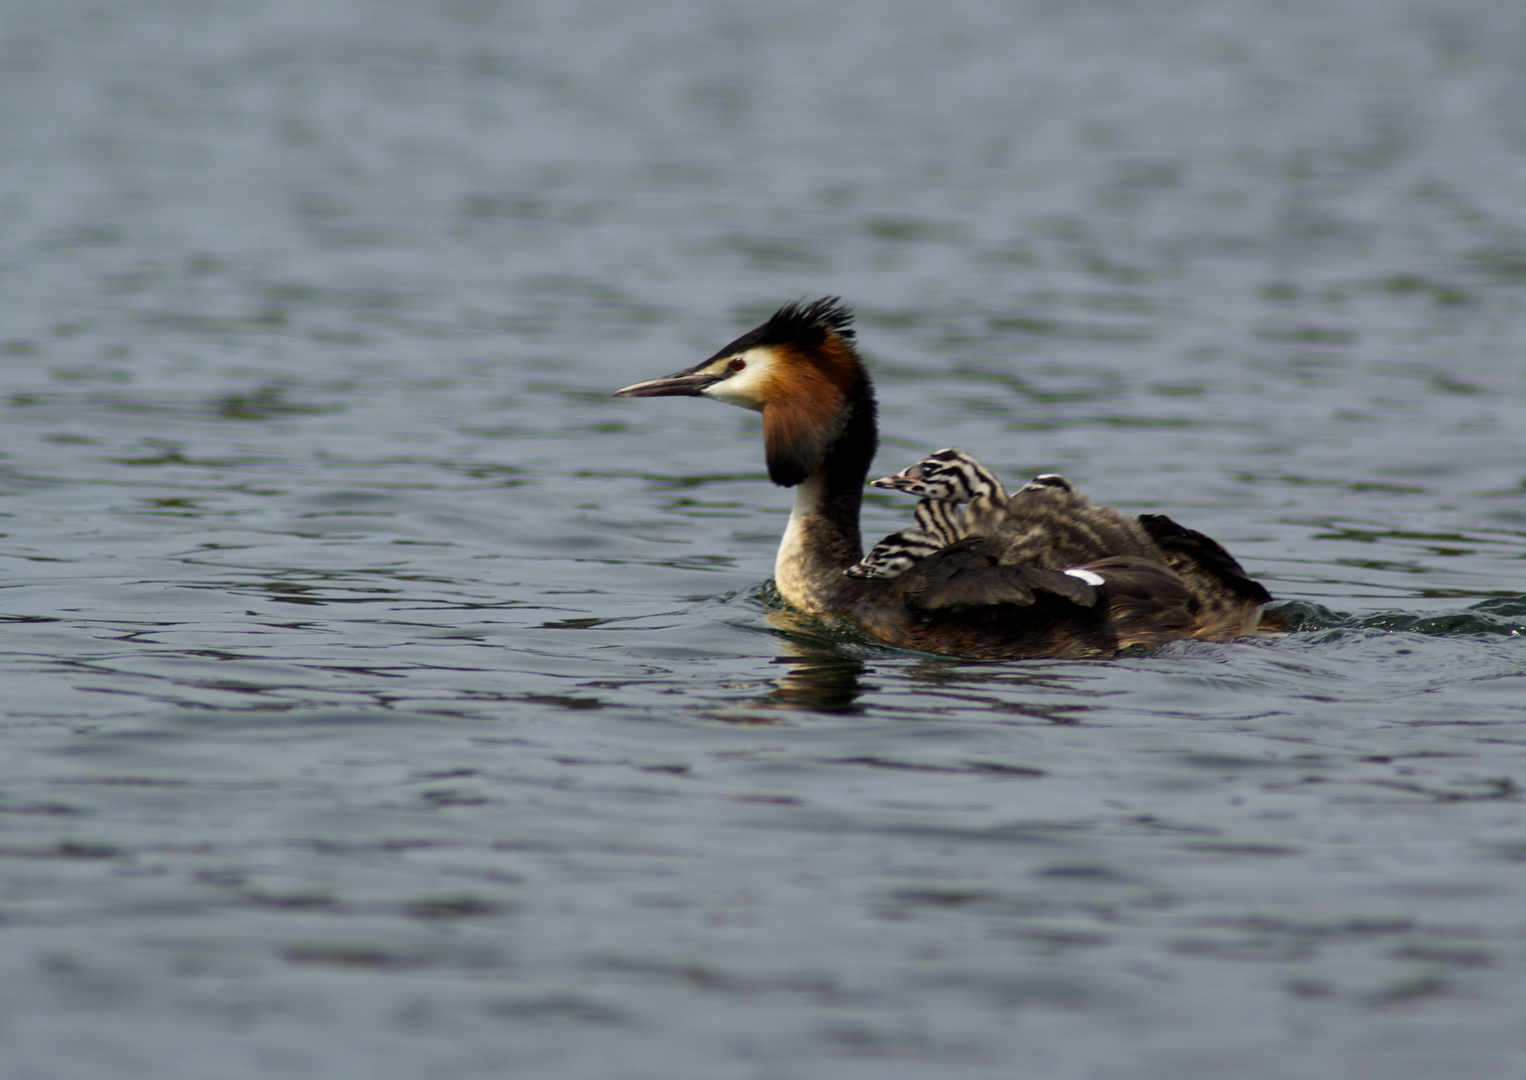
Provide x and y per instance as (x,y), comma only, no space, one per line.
(1042,573)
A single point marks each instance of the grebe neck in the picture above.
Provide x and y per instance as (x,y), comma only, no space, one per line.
(820,542)
(822,539)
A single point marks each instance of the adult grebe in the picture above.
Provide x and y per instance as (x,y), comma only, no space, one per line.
(1042,573)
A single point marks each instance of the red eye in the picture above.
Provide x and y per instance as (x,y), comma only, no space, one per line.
(738,364)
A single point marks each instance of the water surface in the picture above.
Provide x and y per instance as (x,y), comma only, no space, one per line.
(382,699)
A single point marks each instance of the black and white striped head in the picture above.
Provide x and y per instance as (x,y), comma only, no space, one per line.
(896,554)
(949,475)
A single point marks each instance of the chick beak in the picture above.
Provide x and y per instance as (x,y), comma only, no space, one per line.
(905,480)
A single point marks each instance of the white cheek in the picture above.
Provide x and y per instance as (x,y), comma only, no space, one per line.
(745,387)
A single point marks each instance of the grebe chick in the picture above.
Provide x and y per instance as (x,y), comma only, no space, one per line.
(1047,520)
(1004,594)
(951,475)
(957,477)
(947,479)
(937,526)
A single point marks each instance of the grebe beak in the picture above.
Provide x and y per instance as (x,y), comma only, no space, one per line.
(905,480)
(686,383)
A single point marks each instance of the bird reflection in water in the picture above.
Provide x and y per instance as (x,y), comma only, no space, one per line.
(824,674)
(819,682)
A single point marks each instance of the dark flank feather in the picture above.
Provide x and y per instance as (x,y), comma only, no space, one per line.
(968,574)
(1201,559)
(1146,603)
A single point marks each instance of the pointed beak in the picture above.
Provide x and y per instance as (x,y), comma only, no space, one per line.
(904,480)
(687,383)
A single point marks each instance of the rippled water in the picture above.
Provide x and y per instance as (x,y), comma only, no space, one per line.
(382,699)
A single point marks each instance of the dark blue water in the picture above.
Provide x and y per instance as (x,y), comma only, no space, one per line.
(383,699)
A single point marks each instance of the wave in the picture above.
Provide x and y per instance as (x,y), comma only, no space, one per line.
(1501,616)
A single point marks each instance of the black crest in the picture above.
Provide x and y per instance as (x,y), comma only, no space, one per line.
(807,322)
(798,323)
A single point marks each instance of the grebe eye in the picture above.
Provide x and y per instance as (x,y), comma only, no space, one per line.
(738,364)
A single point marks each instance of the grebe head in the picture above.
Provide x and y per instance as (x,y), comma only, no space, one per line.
(799,369)
(947,475)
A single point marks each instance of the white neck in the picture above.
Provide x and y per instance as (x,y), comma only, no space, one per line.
(790,567)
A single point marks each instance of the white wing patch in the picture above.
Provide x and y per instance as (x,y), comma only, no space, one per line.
(1086,576)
